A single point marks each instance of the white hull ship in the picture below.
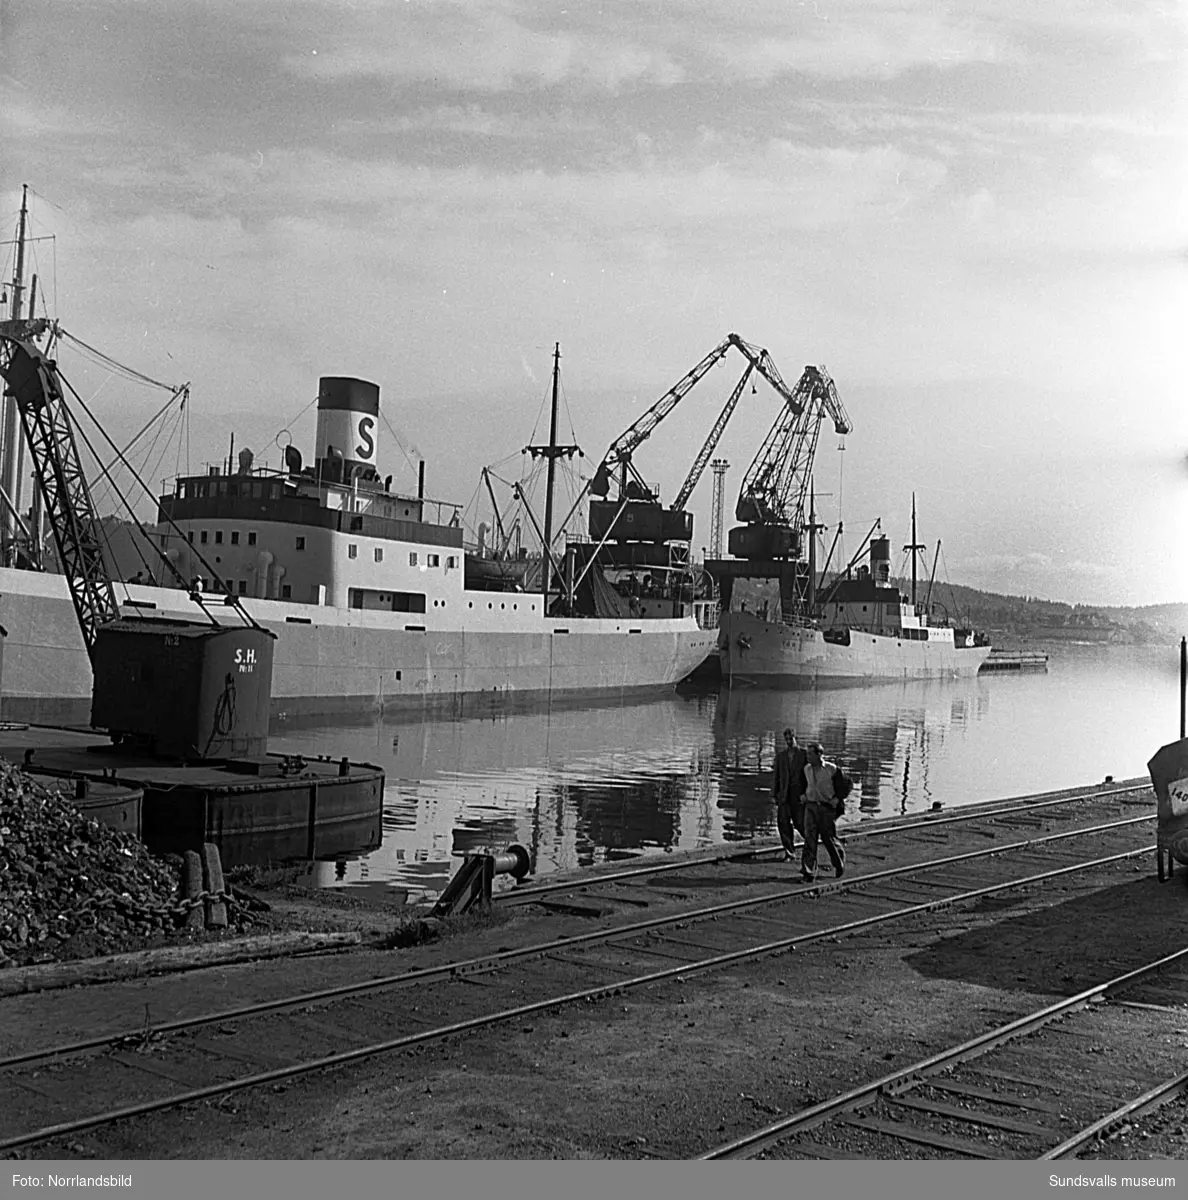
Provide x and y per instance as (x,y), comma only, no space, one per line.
(366,593)
(865,632)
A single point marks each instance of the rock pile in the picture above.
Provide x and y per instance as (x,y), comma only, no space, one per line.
(68,883)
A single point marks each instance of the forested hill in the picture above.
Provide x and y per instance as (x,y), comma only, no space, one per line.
(1029,619)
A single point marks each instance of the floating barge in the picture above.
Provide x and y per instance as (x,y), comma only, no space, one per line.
(1015,660)
(260,809)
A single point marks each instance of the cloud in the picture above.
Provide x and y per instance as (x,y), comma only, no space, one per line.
(479,47)
(862,40)
(1009,564)
(24,116)
(474,120)
(776,185)
(496,45)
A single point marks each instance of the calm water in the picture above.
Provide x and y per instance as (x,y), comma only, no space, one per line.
(583,786)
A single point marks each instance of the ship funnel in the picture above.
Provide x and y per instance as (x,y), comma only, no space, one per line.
(880,559)
(348,416)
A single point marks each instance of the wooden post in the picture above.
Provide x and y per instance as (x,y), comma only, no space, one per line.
(216,910)
(1183,679)
(311,827)
(192,888)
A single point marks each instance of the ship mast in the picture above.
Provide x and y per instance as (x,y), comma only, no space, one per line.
(932,578)
(12,444)
(915,548)
(552,452)
(813,528)
(552,475)
(18,278)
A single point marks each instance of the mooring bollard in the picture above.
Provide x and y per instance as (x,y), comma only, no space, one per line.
(192,888)
(471,885)
(216,910)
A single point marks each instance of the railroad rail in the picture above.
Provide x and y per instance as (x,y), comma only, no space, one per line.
(967,815)
(992,1096)
(65,1089)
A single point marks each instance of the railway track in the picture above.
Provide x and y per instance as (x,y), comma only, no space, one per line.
(57,1091)
(1045,1085)
(915,839)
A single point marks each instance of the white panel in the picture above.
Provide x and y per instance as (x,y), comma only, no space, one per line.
(352,434)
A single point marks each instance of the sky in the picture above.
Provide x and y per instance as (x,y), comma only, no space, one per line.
(971,214)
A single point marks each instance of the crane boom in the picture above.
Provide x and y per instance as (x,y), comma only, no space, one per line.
(711,442)
(631,439)
(622,449)
(774,488)
(33,382)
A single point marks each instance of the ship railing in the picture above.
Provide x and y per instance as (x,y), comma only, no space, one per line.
(707,613)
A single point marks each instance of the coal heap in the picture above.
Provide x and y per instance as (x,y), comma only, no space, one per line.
(70,886)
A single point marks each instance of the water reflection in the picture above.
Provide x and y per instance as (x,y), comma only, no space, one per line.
(583,786)
(885,735)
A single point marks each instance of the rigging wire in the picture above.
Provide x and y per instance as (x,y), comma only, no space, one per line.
(399,443)
(229,598)
(127,372)
(952,593)
(103,527)
(151,469)
(183,392)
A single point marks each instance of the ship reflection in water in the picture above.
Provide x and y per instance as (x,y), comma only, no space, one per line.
(580,786)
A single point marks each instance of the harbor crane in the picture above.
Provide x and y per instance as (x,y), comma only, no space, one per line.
(637,514)
(775,501)
(775,489)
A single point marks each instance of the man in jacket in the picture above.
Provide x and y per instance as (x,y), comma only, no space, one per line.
(820,815)
(787,788)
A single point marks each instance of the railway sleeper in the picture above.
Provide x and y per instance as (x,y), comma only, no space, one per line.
(669,952)
(974,1092)
(972,1116)
(902,1132)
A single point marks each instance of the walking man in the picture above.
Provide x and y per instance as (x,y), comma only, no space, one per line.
(787,788)
(820,815)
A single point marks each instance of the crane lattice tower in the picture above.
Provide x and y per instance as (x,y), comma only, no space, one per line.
(719,467)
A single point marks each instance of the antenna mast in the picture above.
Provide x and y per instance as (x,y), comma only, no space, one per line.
(915,548)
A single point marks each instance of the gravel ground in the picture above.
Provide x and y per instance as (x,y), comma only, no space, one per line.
(666,1072)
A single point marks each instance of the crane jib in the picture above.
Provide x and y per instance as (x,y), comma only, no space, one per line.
(32,381)
(775,486)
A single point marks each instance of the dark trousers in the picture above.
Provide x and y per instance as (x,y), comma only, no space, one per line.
(789,817)
(821,823)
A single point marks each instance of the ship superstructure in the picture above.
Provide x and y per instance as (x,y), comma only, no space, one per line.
(332,534)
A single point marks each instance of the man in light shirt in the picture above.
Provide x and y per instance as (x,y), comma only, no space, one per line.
(820,815)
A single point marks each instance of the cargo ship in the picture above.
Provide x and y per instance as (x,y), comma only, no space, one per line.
(861,630)
(366,587)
